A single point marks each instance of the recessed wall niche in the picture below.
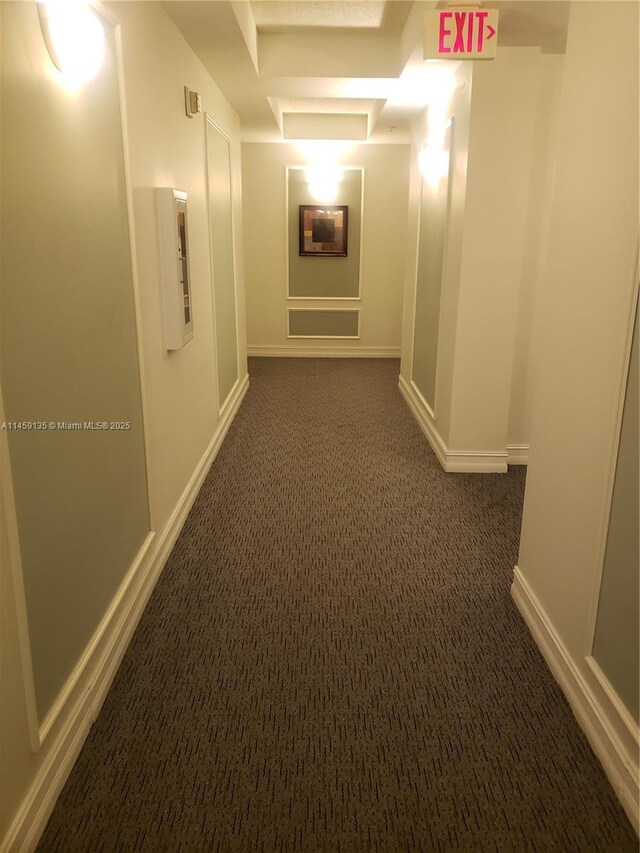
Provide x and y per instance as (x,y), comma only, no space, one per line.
(324,277)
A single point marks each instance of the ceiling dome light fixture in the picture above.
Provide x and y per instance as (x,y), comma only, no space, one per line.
(74,37)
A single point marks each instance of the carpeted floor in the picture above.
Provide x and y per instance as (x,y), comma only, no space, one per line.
(331,660)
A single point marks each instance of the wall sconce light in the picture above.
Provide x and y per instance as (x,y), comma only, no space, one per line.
(433,159)
(323,182)
(74,37)
(433,162)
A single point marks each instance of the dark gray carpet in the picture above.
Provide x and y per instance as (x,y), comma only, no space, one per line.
(331,660)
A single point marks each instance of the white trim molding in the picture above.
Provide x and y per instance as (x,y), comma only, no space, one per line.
(78,704)
(323,310)
(357,351)
(608,726)
(453,461)
(517,454)
(324,299)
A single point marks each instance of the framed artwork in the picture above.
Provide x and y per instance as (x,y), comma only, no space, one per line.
(323,230)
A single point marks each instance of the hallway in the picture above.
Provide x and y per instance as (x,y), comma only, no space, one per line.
(331,660)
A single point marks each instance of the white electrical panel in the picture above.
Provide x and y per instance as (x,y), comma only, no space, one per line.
(173,235)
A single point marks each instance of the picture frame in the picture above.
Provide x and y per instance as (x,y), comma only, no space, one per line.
(323,230)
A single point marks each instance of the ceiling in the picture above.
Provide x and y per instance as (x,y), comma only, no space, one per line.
(274,58)
(300,16)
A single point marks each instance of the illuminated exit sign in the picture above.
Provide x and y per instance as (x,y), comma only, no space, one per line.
(463,33)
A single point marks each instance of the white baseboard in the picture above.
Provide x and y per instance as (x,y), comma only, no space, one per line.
(607,724)
(517,454)
(67,725)
(269,351)
(418,406)
(453,461)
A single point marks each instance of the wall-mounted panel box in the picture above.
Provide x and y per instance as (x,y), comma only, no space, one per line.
(173,238)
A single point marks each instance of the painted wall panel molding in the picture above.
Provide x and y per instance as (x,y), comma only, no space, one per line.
(331,277)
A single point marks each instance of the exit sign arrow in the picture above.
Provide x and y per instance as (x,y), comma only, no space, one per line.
(462,33)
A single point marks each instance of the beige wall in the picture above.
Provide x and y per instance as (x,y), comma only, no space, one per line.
(434,209)
(503,115)
(178,388)
(549,82)
(15,675)
(586,311)
(458,108)
(615,644)
(167,149)
(69,346)
(383,246)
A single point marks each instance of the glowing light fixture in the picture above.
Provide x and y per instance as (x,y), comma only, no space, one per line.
(433,159)
(434,163)
(74,37)
(323,182)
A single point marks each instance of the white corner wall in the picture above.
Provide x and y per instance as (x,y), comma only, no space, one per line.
(505,115)
(498,183)
(549,81)
(183,425)
(584,336)
(386,179)
(436,425)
